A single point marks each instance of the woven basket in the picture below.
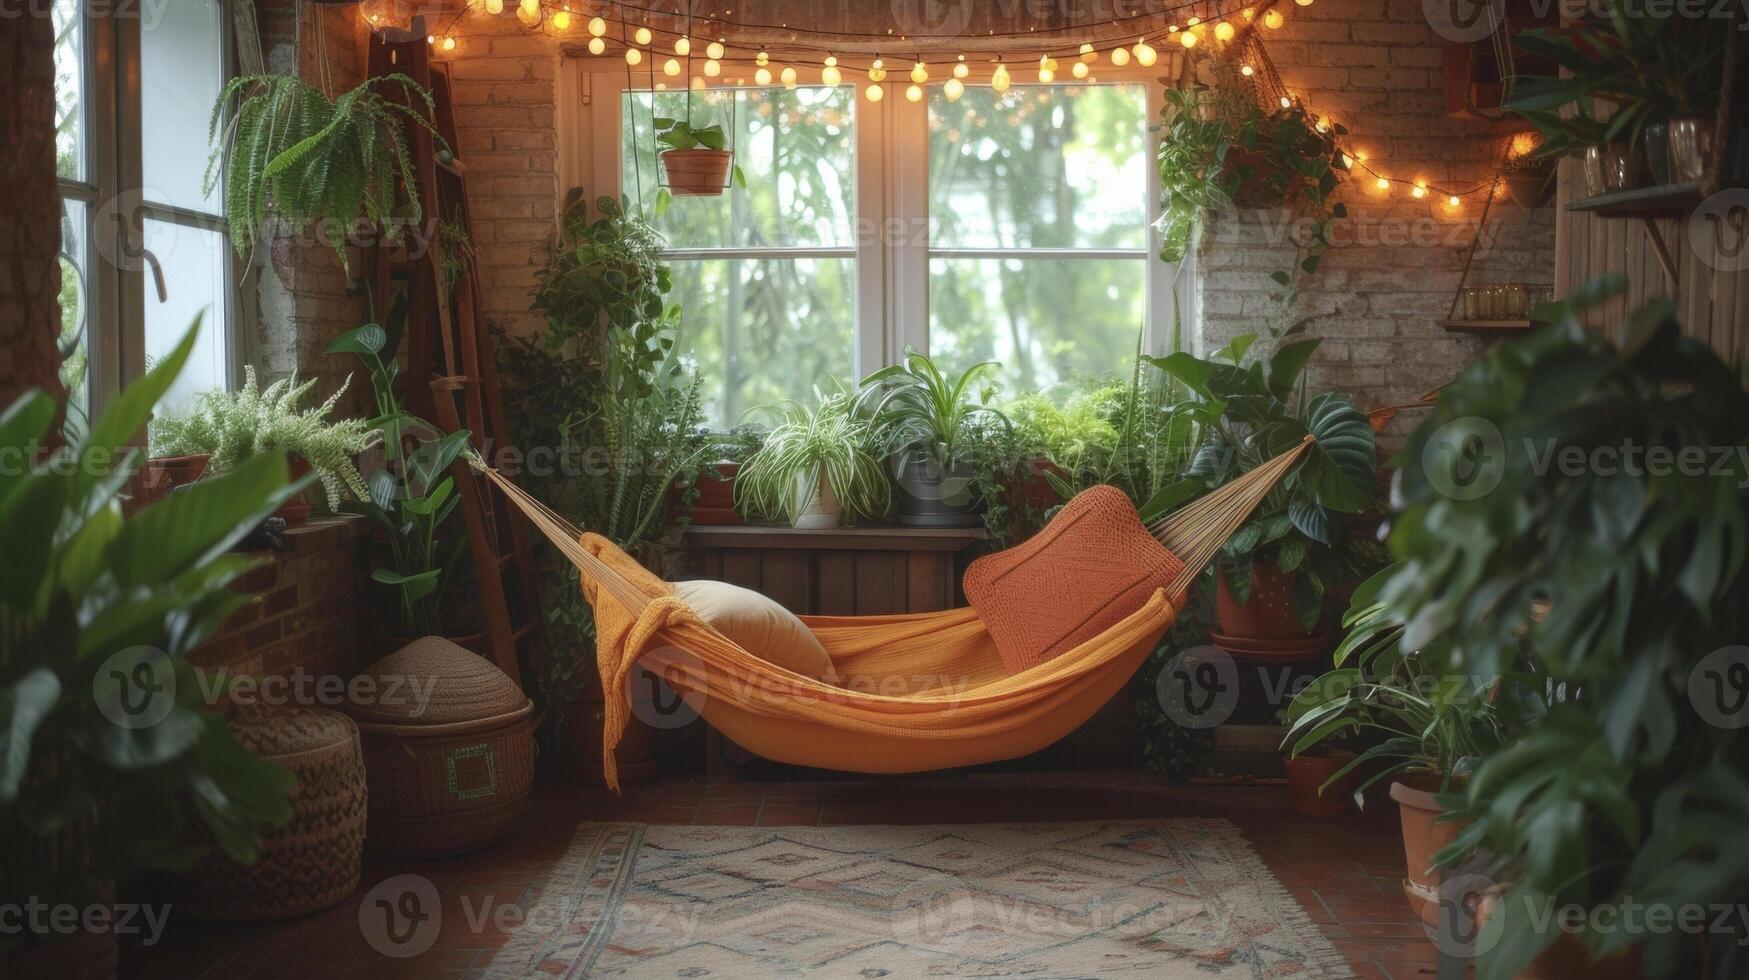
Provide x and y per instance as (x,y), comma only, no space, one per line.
(451,757)
(312,862)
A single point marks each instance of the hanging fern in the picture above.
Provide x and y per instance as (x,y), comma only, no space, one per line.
(306,158)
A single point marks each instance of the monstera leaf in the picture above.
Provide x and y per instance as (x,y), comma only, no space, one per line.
(1339,467)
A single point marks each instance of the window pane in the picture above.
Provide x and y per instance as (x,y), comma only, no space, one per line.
(75,312)
(762,330)
(69,90)
(197,264)
(1039,166)
(181,73)
(1045,320)
(794,146)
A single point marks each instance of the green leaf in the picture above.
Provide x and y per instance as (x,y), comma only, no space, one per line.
(366,339)
(1286,364)
(1340,464)
(23,705)
(200,521)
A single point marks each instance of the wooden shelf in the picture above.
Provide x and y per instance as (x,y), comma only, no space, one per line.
(886,537)
(1662,201)
(1490,327)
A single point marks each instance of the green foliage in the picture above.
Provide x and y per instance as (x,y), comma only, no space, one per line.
(1623,790)
(230,427)
(81,583)
(1167,746)
(913,408)
(601,274)
(1219,149)
(1647,66)
(825,440)
(290,149)
(411,495)
(679,134)
(1250,410)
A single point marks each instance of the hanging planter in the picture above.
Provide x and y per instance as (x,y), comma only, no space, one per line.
(697,161)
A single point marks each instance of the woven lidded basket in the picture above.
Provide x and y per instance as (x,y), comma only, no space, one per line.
(448,748)
(312,862)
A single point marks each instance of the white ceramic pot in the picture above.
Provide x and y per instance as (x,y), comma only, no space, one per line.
(817,505)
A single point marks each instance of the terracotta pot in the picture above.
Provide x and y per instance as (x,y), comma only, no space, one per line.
(296,510)
(716,495)
(1424,835)
(1530,189)
(697,173)
(1268,614)
(166,473)
(1310,770)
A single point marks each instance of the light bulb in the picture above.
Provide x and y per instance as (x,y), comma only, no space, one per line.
(597,26)
(1195,21)
(962,69)
(597,45)
(1048,63)
(1304,3)
(713,51)
(914,93)
(874,92)
(494,6)
(683,45)
(1419,191)
(1453,201)
(530,16)
(1046,76)
(661,86)
(712,68)
(1223,32)
(1078,69)
(1187,39)
(1286,103)
(762,59)
(877,72)
(830,76)
(1383,184)
(788,76)
(449,43)
(1347,162)
(999,78)
(1120,56)
(1087,52)
(762,76)
(697,84)
(671,67)
(641,35)
(1272,20)
(634,56)
(562,20)
(919,73)
(1145,55)
(1246,70)
(953,89)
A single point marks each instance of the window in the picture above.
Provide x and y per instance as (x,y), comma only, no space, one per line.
(144,249)
(1012,226)
(1038,230)
(765,275)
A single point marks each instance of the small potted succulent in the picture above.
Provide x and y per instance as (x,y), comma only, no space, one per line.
(1530,179)
(817,466)
(230,427)
(697,159)
(925,422)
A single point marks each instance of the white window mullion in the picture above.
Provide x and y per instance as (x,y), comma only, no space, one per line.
(874,311)
(907,228)
(1167,281)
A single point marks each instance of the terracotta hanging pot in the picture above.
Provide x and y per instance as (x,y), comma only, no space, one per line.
(1530,188)
(697,172)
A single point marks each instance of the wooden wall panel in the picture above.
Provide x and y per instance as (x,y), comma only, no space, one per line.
(862,572)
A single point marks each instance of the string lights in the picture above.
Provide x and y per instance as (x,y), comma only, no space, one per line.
(1218,28)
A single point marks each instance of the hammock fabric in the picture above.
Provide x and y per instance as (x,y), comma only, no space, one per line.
(920,692)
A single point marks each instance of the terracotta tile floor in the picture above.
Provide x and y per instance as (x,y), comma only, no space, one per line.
(1344,871)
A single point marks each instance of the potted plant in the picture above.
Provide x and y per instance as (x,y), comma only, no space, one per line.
(1631,784)
(714,502)
(289,150)
(925,421)
(1321,782)
(230,427)
(1272,575)
(602,273)
(102,767)
(819,466)
(1530,179)
(697,159)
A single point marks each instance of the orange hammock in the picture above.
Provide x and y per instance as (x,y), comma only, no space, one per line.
(960,707)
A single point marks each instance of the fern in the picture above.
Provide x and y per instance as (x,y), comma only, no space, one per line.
(231,427)
(290,151)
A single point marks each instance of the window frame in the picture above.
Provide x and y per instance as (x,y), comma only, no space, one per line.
(116,264)
(891,223)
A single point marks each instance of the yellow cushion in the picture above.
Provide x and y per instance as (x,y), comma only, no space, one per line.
(758,625)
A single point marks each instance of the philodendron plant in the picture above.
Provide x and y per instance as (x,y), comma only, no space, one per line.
(1251,410)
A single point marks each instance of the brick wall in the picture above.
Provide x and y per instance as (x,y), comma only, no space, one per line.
(307,608)
(1375,67)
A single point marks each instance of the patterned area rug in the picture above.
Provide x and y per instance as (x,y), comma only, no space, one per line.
(1166,898)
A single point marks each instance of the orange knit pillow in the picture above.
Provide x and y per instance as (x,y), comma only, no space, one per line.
(1094,564)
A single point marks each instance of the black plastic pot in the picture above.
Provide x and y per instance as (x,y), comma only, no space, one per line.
(931,495)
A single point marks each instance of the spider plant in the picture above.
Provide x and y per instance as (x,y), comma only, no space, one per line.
(813,455)
(914,408)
